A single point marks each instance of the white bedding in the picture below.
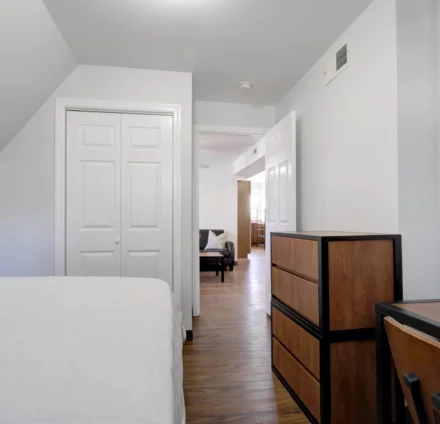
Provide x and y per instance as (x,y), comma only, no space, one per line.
(90,351)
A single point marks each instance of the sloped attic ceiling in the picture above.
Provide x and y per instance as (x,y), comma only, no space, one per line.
(271,43)
(34,60)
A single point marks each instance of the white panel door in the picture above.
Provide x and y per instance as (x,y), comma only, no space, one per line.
(93,194)
(280,186)
(147,197)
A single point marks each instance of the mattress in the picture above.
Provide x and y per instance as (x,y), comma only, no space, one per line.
(92,350)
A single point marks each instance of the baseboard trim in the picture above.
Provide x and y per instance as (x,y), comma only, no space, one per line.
(189,336)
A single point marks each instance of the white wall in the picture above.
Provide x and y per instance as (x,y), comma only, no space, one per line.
(252,161)
(218,195)
(230,114)
(347,131)
(27,168)
(34,59)
(417,131)
(368,150)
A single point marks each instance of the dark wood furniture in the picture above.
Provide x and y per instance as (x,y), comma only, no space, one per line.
(416,358)
(436,407)
(423,316)
(220,261)
(324,288)
(258,234)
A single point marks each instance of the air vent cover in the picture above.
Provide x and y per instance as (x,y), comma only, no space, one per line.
(341,58)
(337,64)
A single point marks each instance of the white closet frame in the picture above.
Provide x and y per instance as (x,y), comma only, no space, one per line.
(62,106)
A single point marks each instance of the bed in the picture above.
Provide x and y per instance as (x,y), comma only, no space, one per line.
(77,350)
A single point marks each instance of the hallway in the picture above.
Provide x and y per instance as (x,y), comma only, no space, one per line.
(228,376)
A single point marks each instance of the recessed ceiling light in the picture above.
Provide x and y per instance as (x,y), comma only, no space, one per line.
(246,86)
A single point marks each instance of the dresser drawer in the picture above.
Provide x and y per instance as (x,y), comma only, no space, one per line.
(296,255)
(301,381)
(302,345)
(297,293)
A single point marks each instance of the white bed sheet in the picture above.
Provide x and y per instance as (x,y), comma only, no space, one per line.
(90,351)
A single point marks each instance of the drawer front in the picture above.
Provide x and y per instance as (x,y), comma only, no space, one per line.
(361,273)
(302,345)
(296,255)
(301,381)
(297,293)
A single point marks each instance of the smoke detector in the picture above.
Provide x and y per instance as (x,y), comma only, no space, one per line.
(246,86)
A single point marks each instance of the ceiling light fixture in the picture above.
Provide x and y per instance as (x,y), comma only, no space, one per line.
(246,86)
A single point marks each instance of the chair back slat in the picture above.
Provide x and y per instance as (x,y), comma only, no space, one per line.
(417,354)
(436,407)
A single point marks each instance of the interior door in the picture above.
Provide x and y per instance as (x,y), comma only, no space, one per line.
(93,176)
(119,202)
(243,219)
(147,197)
(280,186)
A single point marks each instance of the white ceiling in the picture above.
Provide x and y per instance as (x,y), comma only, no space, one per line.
(34,60)
(272,43)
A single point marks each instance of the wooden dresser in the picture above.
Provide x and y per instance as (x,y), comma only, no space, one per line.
(324,289)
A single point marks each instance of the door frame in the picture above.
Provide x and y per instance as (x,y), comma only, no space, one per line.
(199,130)
(62,106)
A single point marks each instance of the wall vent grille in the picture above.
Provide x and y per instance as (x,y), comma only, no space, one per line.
(341,57)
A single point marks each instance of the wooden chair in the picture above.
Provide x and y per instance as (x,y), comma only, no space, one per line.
(417,360)
(436,405)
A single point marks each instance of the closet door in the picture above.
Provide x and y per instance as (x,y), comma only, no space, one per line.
(93,176)
(147,196)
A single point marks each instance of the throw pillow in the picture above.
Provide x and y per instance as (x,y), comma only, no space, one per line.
(215,242)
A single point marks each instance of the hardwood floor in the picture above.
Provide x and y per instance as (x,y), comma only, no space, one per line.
(228,377)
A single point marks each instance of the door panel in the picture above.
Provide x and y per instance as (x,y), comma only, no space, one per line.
(98,194)
(147,193)
(93,264)
(138,263)
(144,207)
(280,186)
(271,193)
(93,194)
(283,194)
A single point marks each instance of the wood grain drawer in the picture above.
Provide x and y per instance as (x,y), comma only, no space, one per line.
(297,293)
(301,381)
(296,255)
(302,345)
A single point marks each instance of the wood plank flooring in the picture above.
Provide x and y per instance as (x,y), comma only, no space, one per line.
(228,377)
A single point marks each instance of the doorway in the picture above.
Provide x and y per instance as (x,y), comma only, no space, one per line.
(258,216)
(251,207)
(215,187)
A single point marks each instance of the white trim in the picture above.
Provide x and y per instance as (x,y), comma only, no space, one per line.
(197,131)
(196,238)
(227,130)
(86,105)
